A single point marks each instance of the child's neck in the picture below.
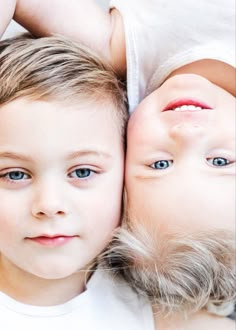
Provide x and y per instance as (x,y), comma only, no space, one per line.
(32,290)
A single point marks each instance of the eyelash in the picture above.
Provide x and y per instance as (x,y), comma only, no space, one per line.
(209,160)
(84,169)
(6,176)
(163,162)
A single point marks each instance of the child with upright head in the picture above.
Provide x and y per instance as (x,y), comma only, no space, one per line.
(62,123)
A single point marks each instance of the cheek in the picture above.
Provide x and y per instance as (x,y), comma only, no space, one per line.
(102,207)
(8,227)
(12,213)
(105,213)
(109,202)
(101,223)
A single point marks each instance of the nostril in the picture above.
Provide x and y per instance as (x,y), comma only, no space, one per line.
(186,131)
(60,212)
(40,213)
(186,127)
(49,213)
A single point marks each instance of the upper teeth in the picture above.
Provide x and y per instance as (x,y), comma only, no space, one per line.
(187,108)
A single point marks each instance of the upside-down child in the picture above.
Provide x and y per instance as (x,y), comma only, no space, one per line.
(177,243)
(145,41)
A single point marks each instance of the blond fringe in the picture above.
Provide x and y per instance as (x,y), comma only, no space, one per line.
(179,273)
(57,68)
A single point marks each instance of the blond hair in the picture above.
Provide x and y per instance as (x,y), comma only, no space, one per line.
(180,273)
(56,68)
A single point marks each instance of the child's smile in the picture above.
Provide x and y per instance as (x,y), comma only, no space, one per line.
(181,156)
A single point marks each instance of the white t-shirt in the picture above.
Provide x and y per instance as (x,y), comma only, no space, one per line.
(105,305)
(163,35)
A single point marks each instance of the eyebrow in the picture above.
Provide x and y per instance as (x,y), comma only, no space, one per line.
(15,156)
(72,155)
(149,176)
(88,152)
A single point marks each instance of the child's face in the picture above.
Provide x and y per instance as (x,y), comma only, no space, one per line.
(180,170)
(61,178)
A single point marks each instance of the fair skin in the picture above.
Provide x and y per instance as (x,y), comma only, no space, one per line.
(201,320)
(180,167)
(103,32)
(53,188)
(181,158)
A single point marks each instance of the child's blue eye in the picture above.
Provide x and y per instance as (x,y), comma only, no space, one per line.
(81,173)
(16,175)
(219,161)
(162,164)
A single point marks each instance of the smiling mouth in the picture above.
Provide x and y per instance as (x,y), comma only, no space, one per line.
(186,105)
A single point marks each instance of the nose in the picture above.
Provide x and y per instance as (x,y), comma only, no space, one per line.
(48,203)
(186,133)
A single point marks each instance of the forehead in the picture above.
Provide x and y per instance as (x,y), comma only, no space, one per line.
(42,120)
(182,201)
(82,104)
